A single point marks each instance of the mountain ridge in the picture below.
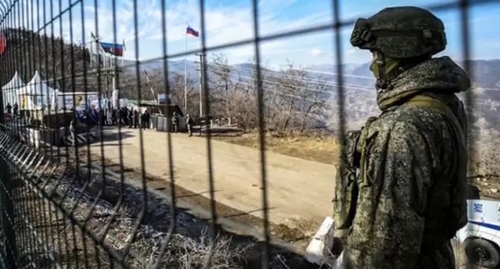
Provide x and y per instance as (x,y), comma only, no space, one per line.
(485,73)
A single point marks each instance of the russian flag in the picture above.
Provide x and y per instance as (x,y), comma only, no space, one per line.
(3,42)
(115,49)
(191,31)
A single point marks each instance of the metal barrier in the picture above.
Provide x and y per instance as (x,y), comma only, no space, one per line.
(67,206)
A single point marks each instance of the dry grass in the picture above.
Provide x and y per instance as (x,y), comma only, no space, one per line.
(54,241)
(315,148)
(51,239)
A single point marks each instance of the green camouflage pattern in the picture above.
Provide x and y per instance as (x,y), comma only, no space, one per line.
(346,191)
(437,73)
(401,32)
(412,177)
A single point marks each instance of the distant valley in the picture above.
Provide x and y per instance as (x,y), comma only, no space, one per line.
(486,73)
(359,93)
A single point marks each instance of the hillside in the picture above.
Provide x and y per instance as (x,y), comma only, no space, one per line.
(486,73)
(27,52)
(64,66)
(68,69)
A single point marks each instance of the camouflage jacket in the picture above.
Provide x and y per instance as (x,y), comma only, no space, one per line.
(412,174)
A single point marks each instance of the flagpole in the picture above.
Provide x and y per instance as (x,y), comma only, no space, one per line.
(185,75)
(91,50)
(123,53)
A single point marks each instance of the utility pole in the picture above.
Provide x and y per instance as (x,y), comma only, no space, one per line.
(148,82)
(202,80)
(107,84)
(116,73)
(185,80)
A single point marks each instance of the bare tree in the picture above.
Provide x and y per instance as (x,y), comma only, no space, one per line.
(177,92)
(299,101)
(313,106)
(223,87)
(50,56)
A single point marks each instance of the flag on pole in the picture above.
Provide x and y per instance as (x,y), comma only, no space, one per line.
(115,49)
(191,31)
(3,42)
(124,48)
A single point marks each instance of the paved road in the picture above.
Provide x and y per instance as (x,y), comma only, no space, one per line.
(299,190)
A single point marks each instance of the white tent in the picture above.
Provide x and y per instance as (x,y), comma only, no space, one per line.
(10,89)
(36,94)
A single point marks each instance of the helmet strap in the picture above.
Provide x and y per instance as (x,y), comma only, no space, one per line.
(382,80)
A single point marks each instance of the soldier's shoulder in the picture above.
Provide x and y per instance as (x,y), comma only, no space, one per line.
(404,120)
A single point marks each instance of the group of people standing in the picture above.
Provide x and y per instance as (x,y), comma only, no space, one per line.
(127,116)
(131,117)
(9,109)
(189,123)
(137,119)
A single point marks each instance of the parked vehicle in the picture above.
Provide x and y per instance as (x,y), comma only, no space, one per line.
(481,235)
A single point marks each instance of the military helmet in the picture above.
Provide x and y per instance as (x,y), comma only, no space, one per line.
(400,32)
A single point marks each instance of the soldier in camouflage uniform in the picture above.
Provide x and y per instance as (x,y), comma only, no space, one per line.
(408,199)
(175,122)
(189,124)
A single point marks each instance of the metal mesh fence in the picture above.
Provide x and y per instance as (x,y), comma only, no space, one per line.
(97,188)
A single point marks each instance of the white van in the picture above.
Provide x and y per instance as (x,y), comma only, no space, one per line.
(481,235)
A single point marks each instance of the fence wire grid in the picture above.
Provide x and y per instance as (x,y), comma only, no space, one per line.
(65,205)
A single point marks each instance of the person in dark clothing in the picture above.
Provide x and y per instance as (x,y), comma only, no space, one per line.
(16,108)
(136,118)
(175,122)
(143,120)
(124,116)
(147,118)
(102,117)
(189,124)
(9,108)
(130,116)
(114,114)
(95,117)
(88,118)
(121,117)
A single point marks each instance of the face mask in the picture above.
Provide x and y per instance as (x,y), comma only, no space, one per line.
(390,64)
(374,69)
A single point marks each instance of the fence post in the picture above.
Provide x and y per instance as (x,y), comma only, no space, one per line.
(7,218)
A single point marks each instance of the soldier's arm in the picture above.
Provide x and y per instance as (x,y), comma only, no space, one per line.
(387,231)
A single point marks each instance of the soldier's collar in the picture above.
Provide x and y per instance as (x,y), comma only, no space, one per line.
(392,103)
